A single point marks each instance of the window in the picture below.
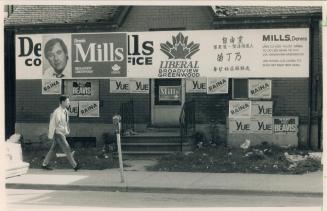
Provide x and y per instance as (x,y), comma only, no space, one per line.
(240,89)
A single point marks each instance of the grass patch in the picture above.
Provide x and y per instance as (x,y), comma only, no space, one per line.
(267,159)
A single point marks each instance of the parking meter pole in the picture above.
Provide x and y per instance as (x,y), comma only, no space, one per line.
(117,125)
(120,158)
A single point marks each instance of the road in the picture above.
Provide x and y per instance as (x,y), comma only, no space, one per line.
(25,199)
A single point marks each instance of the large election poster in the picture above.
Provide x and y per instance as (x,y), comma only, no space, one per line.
(99,55)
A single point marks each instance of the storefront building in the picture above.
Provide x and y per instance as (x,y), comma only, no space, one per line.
(245,72)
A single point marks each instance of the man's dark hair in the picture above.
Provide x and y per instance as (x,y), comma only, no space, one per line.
(62,98)
(49,45)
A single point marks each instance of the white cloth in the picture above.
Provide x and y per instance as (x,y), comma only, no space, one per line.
(59,122)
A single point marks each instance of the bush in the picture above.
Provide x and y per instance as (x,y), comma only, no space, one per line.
(199,140)
(110,142)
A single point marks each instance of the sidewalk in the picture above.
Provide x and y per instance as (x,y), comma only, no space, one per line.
(170,182)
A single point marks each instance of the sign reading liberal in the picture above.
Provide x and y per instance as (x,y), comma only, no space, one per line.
(217,86)
(262,125)
(73,108)
(119,85)
(239,125)
(88,109)
(239,108)
(99,55)
(28,56)
(196,85)
(286,124)
(140,85)
(259,89)
(262,108)
(51,86)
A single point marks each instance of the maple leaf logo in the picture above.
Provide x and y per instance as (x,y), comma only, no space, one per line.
(179,49)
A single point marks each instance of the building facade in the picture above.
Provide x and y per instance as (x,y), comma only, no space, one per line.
(280,110)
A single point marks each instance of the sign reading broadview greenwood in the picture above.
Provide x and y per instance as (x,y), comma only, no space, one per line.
(99,55)
(237,53)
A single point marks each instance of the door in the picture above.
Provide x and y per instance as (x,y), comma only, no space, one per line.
(167,99)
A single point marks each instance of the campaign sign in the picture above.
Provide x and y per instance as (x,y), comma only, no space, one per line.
(56,56)
(239,125)
(259,89)
(89,108)
(262,108)
(82,89)
(196,85)
(239,108)
(217,86)
(28,56)
(73,108)
(286,124)
(51,86)
(140,85)
(119,85)
(99,55)
(169,93)
(262,125)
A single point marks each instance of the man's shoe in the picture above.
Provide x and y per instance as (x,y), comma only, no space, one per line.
(47,167)
(77,167)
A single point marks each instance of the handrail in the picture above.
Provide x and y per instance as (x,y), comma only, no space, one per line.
(186,120)
(127,115)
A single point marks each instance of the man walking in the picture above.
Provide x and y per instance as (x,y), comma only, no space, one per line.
(58,129)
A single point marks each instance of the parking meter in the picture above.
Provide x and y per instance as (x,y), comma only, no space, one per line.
(116,120)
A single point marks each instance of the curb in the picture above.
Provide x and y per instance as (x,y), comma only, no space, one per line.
(160,190)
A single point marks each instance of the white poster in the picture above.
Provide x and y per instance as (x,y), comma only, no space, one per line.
(239,108)
(196,85)
(51,86)
(139,85)
(217,86)
(73,108)
(28,56)
(239,125)
(262,125)
(261,108)
(119,85)
(259,89)
(89,109)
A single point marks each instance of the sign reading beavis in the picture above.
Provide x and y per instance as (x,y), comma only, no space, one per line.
(119,85)
(83,89)
(196,85)
(139,85)
(261,108)
(88,109)
(217,86)
(262,125)
(51,86)
(286,124)
(239,125)
(239,108)
(259,89)
(73,108)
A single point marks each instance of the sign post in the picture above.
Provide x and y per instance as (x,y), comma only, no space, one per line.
(117,125)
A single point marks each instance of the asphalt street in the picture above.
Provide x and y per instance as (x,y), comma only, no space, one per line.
(27,199)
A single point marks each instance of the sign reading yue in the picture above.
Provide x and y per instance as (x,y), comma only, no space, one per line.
(286,125)
(140,85)
(217,85)
(99,55)
(239,108)
(119,85)
(262,108)
(239,125)
(73,108)
(263,125)
(260,89)
(88,109)
(196,85)
(179,52)
(51,86)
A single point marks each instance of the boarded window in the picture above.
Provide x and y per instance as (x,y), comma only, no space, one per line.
(240,88)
